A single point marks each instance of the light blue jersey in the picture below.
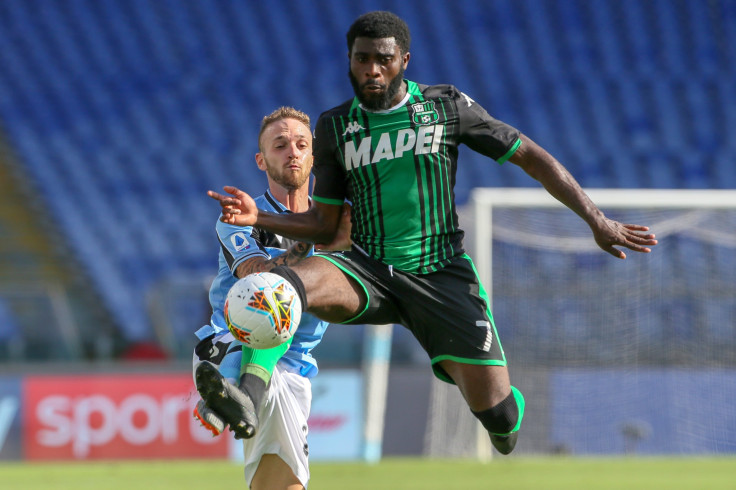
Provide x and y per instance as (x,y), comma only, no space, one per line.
(237,244)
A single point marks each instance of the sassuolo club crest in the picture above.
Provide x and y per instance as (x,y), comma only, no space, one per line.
(424,113)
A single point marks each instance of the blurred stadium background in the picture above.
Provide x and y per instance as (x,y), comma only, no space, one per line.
(116,116)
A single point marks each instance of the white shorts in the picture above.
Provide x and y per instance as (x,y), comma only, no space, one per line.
(282,428)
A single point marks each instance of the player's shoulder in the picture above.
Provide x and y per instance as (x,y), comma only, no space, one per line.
(462,101)
(267,202)
(441,90)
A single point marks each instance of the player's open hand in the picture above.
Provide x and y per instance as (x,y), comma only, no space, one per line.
(238,208)
(634,237)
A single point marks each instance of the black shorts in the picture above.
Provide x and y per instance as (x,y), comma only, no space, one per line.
(447,310)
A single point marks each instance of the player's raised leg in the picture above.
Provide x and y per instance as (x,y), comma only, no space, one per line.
(227,400)
(223,352)
(324,290)
(491,398)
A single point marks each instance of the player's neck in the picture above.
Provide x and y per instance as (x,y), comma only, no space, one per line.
(296,201)
(401,94)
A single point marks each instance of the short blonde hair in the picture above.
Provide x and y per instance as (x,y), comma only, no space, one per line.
(283,113)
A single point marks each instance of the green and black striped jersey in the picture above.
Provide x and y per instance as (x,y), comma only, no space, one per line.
(397,168)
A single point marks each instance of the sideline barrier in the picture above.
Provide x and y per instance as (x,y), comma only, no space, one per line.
(149,416)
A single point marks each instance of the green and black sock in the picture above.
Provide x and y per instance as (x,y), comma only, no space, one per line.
(256,369)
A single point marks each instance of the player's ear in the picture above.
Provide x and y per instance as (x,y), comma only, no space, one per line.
(405,60)
(260,161)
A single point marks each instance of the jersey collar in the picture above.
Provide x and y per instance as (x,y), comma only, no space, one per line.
(277,205)
(274,202)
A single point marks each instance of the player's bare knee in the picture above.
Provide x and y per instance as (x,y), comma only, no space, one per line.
(332,295)
(482,386)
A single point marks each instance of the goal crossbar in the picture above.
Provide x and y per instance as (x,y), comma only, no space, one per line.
(611,198)
(484,199)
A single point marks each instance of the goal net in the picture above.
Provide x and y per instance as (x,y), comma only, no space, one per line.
(633,356)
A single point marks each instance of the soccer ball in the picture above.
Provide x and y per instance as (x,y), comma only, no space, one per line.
(262,310)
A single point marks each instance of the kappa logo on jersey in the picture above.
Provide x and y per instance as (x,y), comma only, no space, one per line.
(353,127)
(239,241)
(420,140)
(424,113)
(467,99)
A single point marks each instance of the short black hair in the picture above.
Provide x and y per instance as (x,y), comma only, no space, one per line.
(378,25)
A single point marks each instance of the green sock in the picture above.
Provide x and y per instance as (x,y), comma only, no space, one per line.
(520,402)
(262,362)
(256,368)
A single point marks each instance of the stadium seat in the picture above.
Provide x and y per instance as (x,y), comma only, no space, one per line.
(141,107)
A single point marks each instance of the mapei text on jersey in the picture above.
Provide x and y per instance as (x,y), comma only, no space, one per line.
(421,140)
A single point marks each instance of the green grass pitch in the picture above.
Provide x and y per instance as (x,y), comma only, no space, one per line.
(395,473)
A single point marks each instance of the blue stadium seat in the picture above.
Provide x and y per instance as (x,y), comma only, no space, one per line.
(137,105)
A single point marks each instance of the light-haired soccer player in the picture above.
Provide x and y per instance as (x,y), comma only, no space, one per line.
(273,402)
(392,151)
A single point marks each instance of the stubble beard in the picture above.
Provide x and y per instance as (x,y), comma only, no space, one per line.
(379,102)
(287,179)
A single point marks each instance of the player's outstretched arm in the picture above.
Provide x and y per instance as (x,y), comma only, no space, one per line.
(293,255)
(317,225)
(608,234)
(342,239)
(238,208)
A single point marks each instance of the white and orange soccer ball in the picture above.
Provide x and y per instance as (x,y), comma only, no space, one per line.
(262,310)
